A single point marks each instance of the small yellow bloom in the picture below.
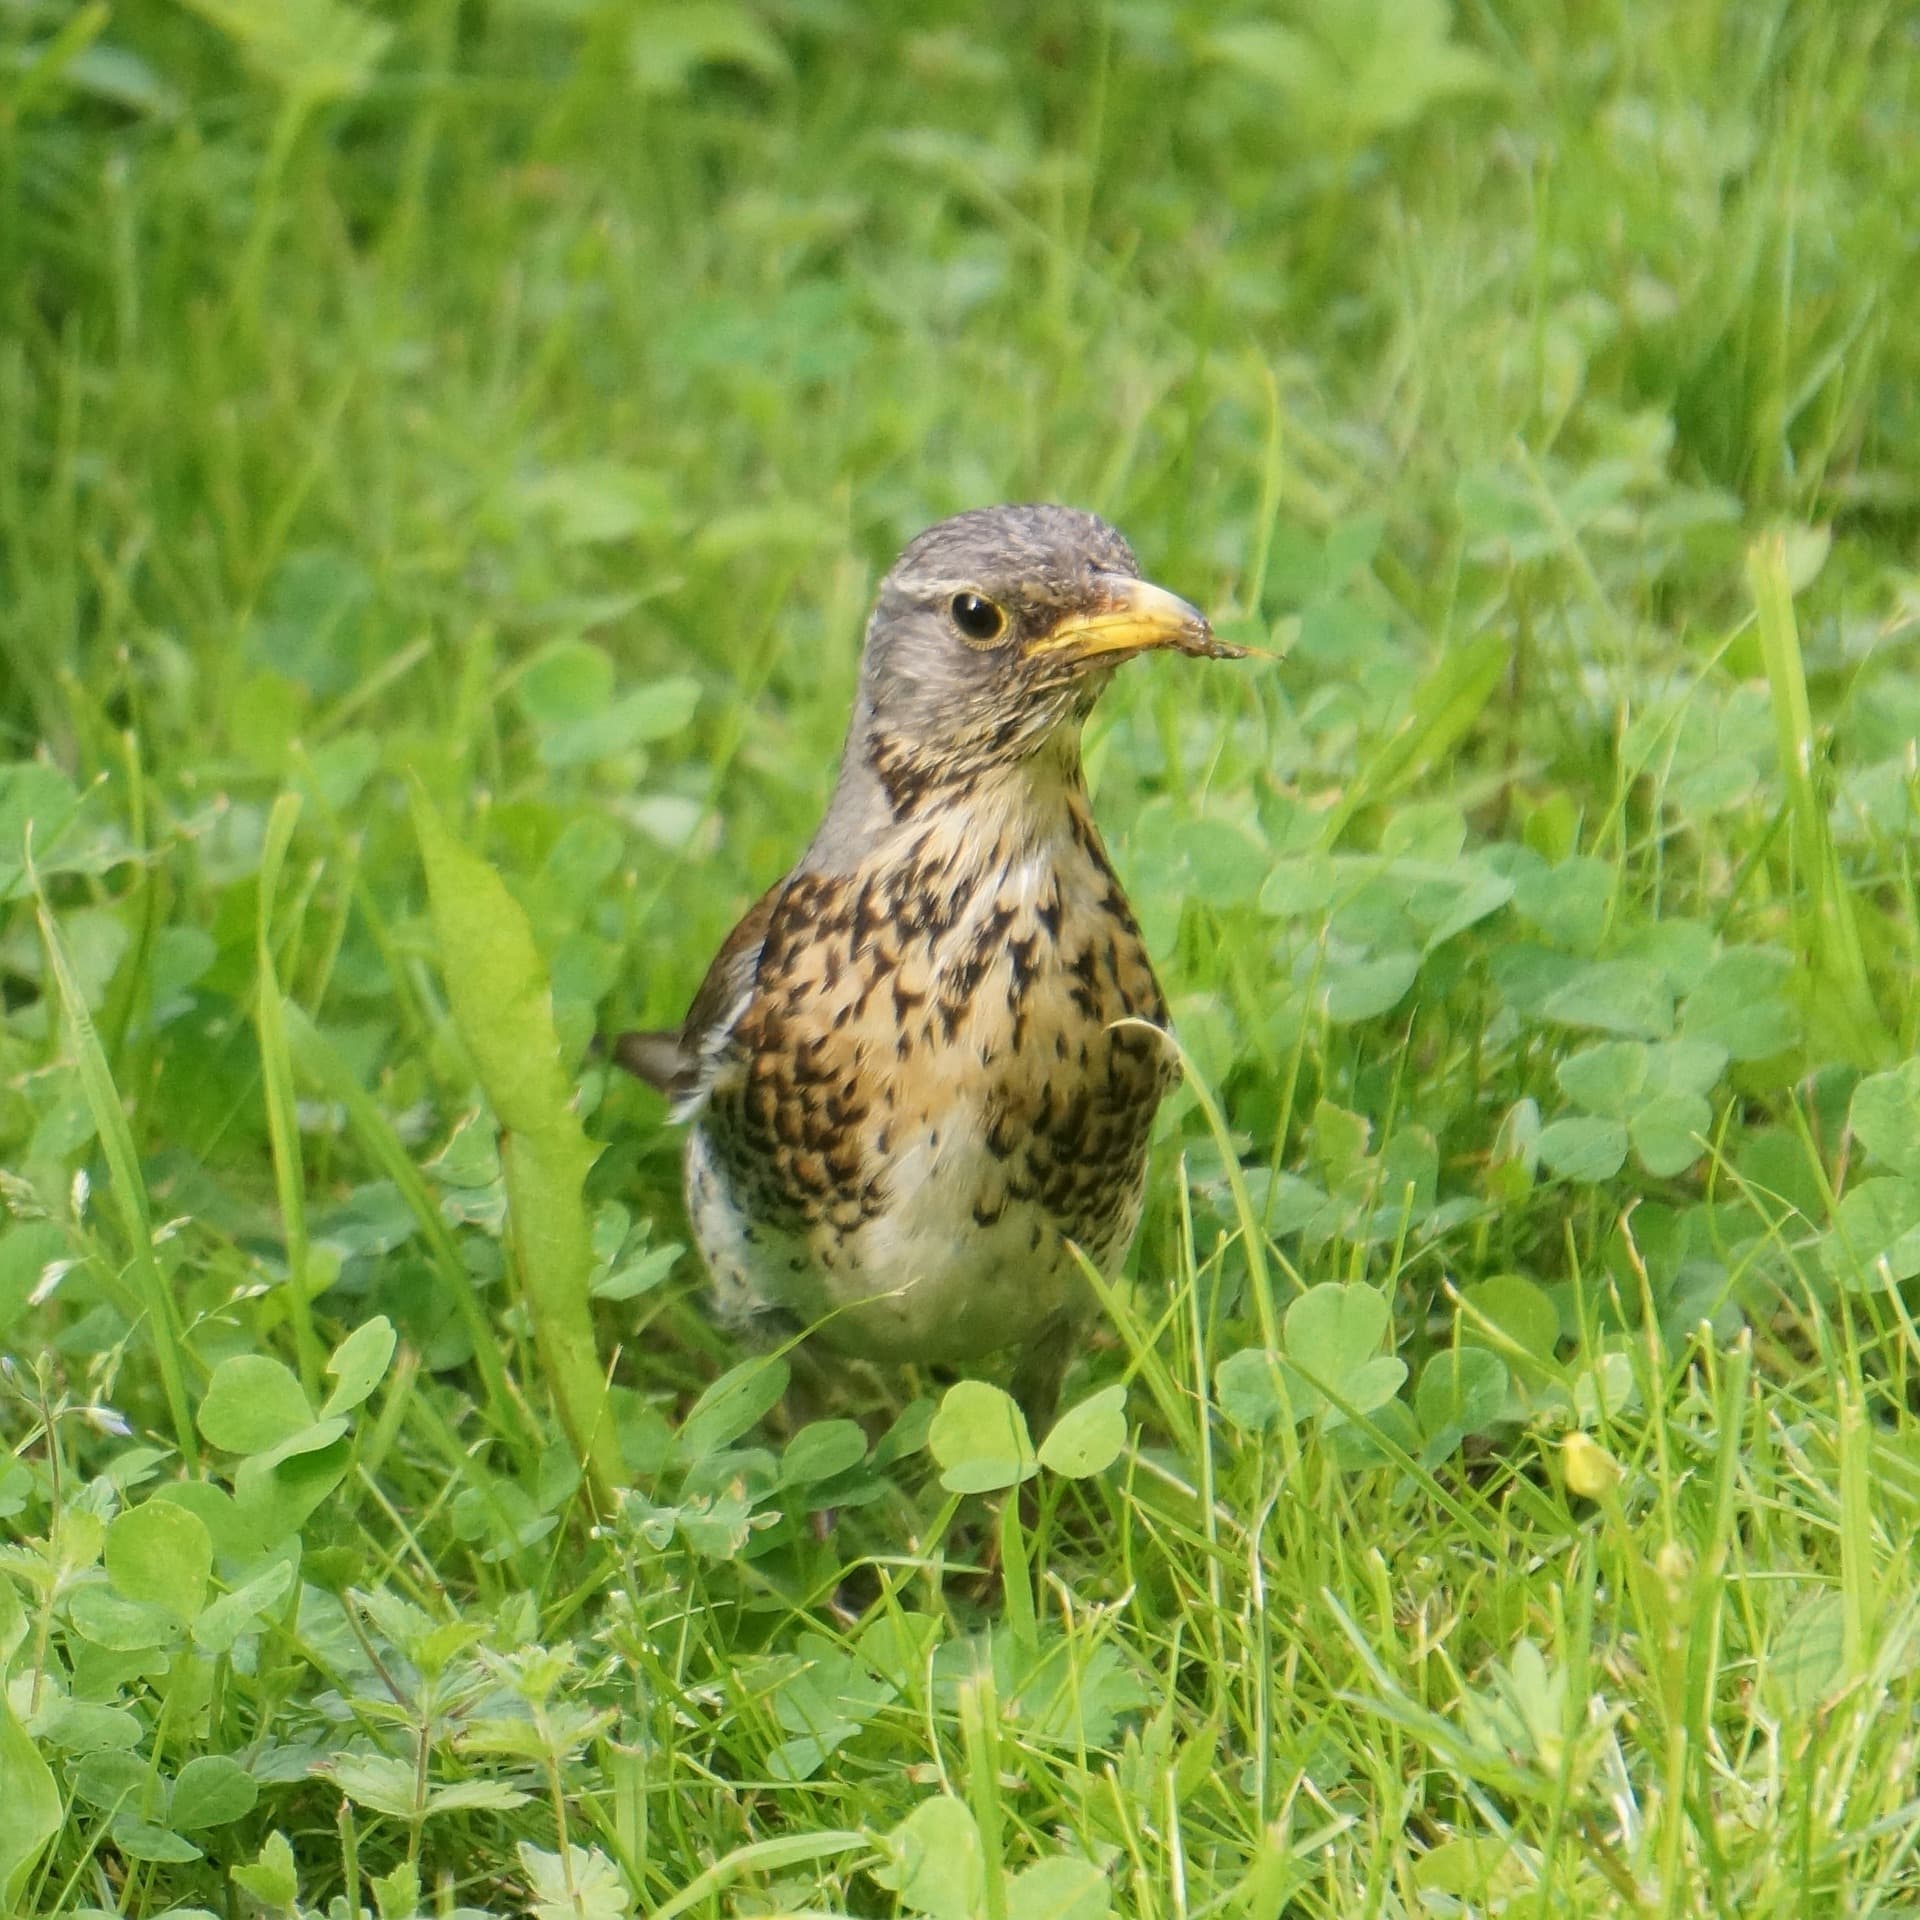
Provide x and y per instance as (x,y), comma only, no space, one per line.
(1590,1470)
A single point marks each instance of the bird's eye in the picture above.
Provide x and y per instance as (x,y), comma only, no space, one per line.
(980,621)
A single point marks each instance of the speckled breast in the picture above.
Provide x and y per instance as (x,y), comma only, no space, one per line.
(938,1079)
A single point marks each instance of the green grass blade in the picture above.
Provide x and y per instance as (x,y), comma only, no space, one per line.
(276,1075)
(759,1856)
(1842,1003)
(129,1191)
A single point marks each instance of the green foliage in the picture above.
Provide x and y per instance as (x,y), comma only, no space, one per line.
(502,1009)
(445,454)
(980,1439)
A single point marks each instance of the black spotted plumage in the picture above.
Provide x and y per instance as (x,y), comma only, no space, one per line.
(930,1058)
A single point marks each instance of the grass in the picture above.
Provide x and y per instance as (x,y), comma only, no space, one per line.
(1494,1490)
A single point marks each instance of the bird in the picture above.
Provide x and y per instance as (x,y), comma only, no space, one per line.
(924,1068)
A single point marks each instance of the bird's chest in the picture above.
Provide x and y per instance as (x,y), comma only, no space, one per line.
(940,1074)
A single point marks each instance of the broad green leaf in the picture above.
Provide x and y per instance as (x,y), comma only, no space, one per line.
(638,1276)
(578,865)
(1605,1080)
(38,797)
(1602,1387)
(1528,976)
(823,1705)
(498,986)
(1258,1389)
(1364,989)
(270,1879)
(587,1887)
(232,1538)
(359,1364)
(502,1005)
(1089,1438)
(314,50)
(1478,1872)
(253,1403)
(212,1790)
(1685,1065)
(316,1438)
(475,1796)
(1568,903)
(1266,52)
(563,684)
(647,713)
(161,1554)
(377,1781)
(80,1726)
(116,1781)
(1295,888)
(979,1437)
(396,1894)
(1333,1332)
(935,1863)
(1462,1390)
(1250,1385)
(1585,1150)
(1337,1139)
(896,1645)
(1669,1133)
(31,1800)
(1425,832)
(1451,909)
(222,1623)
(1615,996)
(732,1405)
(1059,1889)
(1683,950)
(820,1450)
(1335,1328)
(1876,1232)
(272,1498)
(142,1839)
(1229,864)
(1748,1030)
(1365,1390)
(1742,1003)
(1885,1117)
(1807,1656)
(1517,1307)
(120,1625)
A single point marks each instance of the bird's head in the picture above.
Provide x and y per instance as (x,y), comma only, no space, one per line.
(992,637)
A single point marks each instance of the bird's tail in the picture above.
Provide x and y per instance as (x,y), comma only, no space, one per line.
(657,1058)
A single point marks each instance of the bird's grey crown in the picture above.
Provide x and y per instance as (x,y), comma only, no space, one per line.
(1053,547)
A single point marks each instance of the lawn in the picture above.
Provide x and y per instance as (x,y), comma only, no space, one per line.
(458,441)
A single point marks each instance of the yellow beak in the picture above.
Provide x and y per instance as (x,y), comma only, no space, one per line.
(1134,616)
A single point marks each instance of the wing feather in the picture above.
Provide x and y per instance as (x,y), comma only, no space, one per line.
(684,1065)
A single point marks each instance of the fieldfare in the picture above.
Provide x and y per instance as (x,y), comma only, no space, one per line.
(930,1057)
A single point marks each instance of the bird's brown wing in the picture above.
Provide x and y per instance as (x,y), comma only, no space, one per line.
(682,1065)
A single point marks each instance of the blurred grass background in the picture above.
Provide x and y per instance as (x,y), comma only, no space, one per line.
(525,395)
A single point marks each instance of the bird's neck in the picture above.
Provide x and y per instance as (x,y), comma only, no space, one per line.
(889,788)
